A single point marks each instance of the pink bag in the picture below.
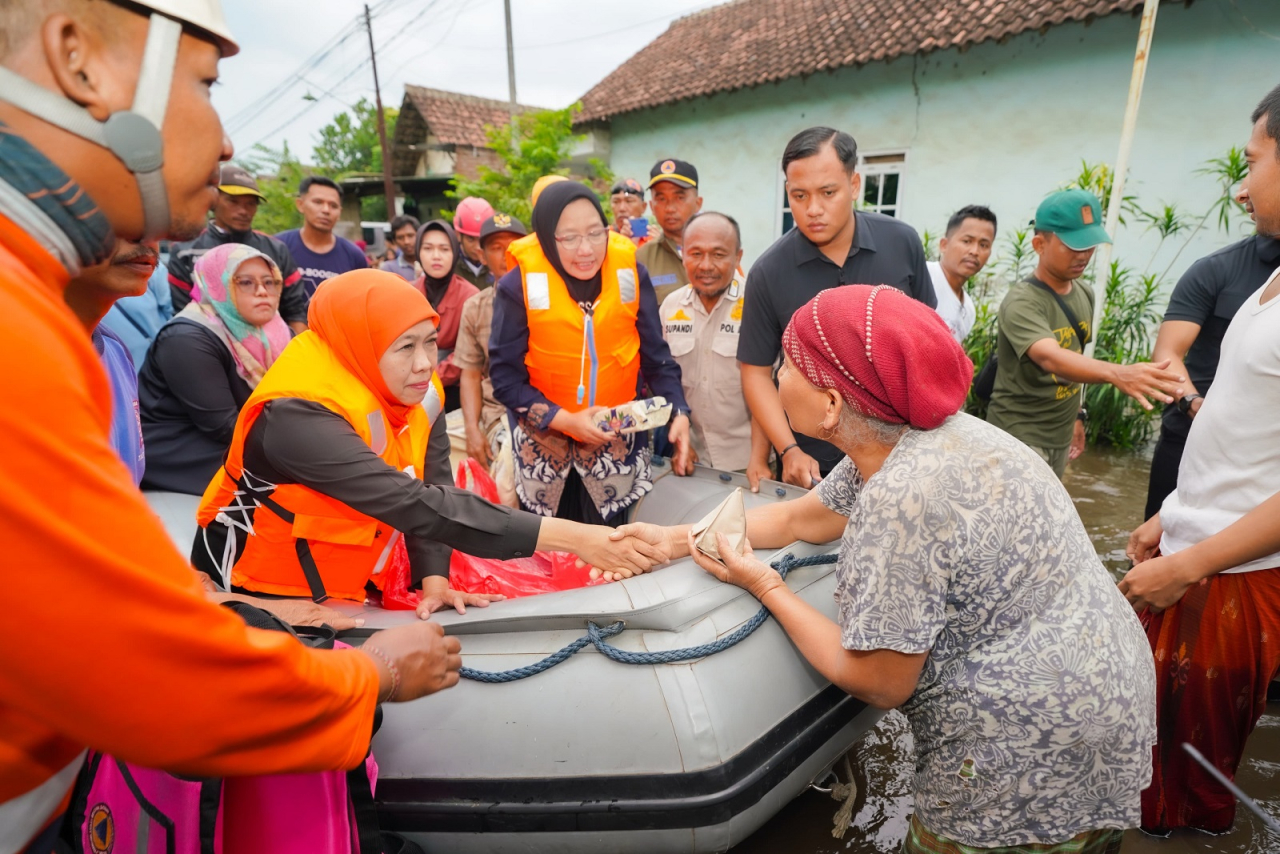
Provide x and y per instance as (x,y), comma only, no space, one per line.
(122,807)
(127,808)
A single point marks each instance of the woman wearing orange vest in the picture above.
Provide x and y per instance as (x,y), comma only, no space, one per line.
(340,450)
(575,328)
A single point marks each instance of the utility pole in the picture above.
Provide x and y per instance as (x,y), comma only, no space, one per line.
(388,186)
(511,73)
(1102,260)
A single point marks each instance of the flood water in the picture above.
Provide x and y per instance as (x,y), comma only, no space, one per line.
(1110,492)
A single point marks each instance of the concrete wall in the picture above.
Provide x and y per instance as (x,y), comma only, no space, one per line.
(997,124)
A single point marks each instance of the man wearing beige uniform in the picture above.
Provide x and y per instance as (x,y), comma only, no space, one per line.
(488,440)
(700,321)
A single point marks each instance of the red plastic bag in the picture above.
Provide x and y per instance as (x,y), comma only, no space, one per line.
(543,572)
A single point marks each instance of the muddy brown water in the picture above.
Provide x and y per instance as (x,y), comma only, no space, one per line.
(1110,491)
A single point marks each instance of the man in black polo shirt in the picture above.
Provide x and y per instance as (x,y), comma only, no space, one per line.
(1205,299)
(831,245)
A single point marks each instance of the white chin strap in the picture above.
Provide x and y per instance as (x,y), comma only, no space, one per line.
(132,135)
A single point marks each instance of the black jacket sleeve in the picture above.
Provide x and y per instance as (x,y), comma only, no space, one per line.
(921,282)
(198,371)
(657,365)
(294,301)
(181,266)
(297,441)
(432,557)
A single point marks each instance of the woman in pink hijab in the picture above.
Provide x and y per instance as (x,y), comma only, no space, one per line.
(204,363)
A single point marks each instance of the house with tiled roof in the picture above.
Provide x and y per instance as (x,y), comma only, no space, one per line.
(438,135)
(952,102)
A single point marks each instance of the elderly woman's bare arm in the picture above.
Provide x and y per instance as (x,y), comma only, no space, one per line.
(884,678)
(769,527)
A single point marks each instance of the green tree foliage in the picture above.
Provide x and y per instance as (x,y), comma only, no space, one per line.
(542,144)
(278,172)
(349,144)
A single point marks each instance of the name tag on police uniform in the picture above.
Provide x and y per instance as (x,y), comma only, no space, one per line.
(627,285)
(679,323)
(538,291)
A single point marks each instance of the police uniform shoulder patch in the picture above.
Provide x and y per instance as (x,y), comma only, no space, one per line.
(102,829)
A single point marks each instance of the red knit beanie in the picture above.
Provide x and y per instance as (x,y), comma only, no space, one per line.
(887,354)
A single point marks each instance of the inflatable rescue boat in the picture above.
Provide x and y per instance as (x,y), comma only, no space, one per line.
(596,755)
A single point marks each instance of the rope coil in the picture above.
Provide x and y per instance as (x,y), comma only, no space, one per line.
(598,636)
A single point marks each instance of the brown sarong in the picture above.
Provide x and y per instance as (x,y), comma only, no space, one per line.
(1216,652)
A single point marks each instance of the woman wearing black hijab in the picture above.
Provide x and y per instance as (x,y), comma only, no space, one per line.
(437,251)
(575,330)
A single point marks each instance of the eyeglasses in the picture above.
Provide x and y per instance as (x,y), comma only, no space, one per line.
(595,237)
(249,286)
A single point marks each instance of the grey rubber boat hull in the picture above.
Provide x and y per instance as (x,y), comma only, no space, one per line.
(595,755)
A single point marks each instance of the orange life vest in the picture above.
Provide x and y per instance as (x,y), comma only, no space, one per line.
(347,547)
(557,326)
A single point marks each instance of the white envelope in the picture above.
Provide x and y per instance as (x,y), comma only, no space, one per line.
(729,518)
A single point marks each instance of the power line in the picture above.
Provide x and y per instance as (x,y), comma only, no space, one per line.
(251,110)
(457,14)
(247,114)
(355,71)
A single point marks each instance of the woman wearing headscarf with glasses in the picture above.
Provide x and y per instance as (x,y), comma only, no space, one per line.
(575,330)
(204,364)
(437,250)
(968,592)
(341,450)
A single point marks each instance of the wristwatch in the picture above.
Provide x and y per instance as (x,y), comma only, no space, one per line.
(1184,402)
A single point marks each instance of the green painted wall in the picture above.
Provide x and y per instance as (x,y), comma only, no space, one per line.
(997,124)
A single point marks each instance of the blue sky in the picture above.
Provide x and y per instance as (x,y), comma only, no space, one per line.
(563,48)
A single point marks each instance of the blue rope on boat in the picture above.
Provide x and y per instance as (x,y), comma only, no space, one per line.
(597,636)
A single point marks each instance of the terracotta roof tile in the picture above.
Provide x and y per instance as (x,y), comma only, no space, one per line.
(748,42)
(458,119)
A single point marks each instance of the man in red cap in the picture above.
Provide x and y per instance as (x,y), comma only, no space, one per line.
(467,220)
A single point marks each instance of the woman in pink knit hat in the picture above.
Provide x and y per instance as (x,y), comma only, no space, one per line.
(969,594)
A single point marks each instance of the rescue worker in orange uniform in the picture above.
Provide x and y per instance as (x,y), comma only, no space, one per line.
(341,448)
(575,329)
(106,128)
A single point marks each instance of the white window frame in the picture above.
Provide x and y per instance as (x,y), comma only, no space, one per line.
(886,167)
(898,167)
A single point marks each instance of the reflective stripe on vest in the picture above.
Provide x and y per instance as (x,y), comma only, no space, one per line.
(346,546)
(24,816)
(557,326)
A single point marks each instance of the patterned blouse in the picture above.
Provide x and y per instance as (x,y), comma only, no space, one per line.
(1034,716)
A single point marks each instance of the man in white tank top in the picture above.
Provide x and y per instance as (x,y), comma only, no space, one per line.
(1208,564)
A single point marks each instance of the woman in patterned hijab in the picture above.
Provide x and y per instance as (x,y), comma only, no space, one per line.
(968,593)
(204,364)
(236,293)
